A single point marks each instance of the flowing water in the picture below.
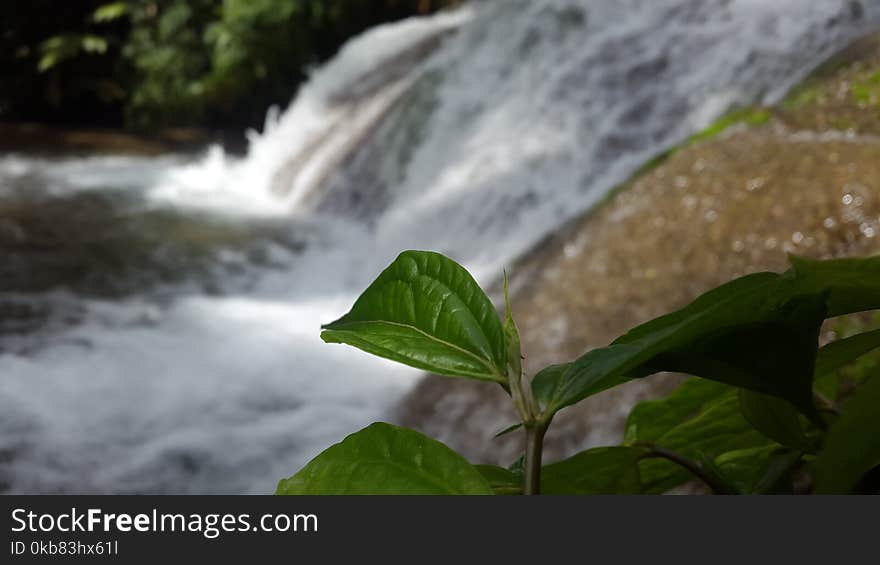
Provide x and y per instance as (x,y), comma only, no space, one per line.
(159,316)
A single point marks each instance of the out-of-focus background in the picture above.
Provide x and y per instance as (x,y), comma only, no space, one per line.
(189,189)
(172,69)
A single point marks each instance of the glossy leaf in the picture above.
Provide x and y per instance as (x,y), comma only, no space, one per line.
(601,470)
(766,314)
(777,419)
(546,380)
(852,445)
(426,311)
(386,459)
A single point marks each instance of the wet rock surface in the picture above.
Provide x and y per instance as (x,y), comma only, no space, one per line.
(114,246)
(715,210)
(46,139)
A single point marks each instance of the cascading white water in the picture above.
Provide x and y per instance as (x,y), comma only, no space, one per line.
(473,133)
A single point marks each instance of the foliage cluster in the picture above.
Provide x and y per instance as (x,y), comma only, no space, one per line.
(156,63)
(769,412)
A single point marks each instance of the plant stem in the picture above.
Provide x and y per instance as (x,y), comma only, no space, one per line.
(519,401)
(535,429)
(717,486)
(532,462)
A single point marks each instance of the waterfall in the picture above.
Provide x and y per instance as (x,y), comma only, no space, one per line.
(474,133)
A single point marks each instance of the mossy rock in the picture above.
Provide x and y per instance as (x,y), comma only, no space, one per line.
(841,95)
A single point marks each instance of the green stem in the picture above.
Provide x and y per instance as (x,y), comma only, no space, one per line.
(717,486)
(532,462)
(519,401)
(535,429)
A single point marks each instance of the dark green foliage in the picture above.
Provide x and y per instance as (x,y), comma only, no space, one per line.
(844,351)
(777,419)
(601,470)
(701,420)
(852,447)
(749,425)
(215,63)
(764,314)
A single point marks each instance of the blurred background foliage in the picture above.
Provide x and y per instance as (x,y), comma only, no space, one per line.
(149,64)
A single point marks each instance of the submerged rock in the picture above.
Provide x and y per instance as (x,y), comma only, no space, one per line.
(719,208)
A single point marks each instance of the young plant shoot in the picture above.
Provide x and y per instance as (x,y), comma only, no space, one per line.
(758,415)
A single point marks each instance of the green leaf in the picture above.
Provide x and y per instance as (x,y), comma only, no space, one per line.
(426,311)
(57,49)
(842,352)
(386,459)
(511,336)
(777,473)
(766,314)
(508,429)
(547,380)
(501,480)
(775,418)
(853,284)
(93,44)
(649,420)
(758,470)
(601,470)
(47,61)
(852,445)
(109,12)
(700,420)
(518,466)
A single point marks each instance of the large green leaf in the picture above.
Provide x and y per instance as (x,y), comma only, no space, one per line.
(853,284)
(844,351)
(601,470)
(852,446)
(386,459)
(838,355)
(426,311)
(758,470)
(650,420)
(775,418)
(774,318)
(700,420)
(501,480)
(765,314)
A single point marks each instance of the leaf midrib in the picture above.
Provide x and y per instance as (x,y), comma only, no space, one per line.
(492,370)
